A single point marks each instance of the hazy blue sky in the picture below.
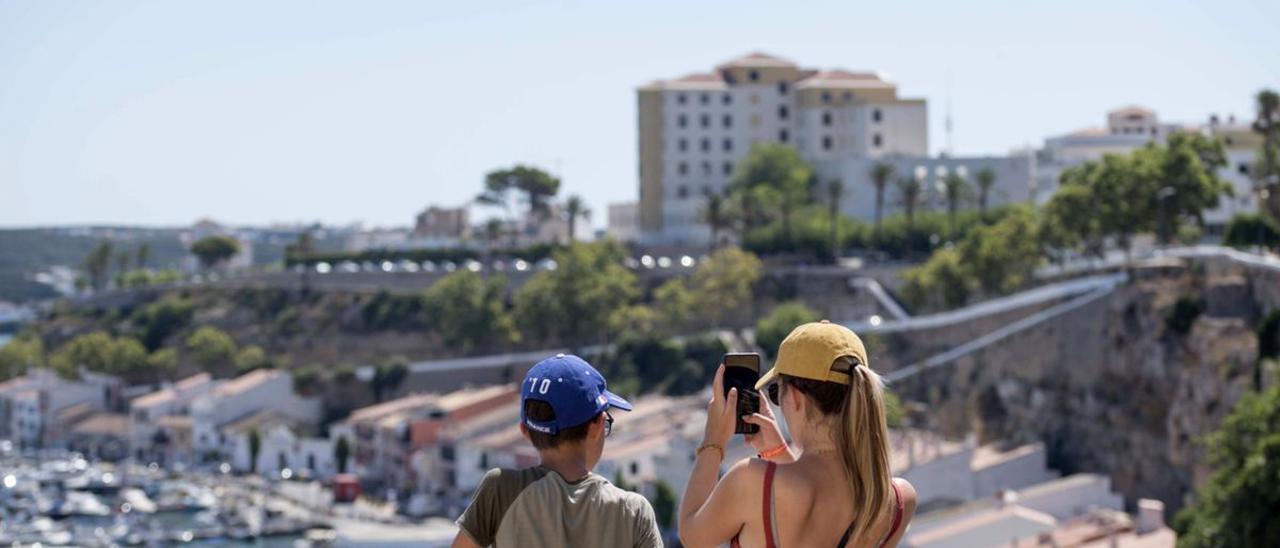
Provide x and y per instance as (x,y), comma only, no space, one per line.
(251,112)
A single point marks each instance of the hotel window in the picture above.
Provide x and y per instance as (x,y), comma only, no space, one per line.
(726,98)
(782,112)
(705,120)
(876,116)
(682,168)
(876,140)
(682,121)
(755,120)
(682,192)
(728,121)
(826,97)
(706,144)
(706,168)
(783,136)
(755,99)
(754,76)
(826,118)
(782,88)
(727,169)
(826,142)
(706,190)
(848,96)
(681,99)
(727,145)
(683,144)
(704,99)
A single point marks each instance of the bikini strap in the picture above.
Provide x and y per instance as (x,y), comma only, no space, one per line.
(897,513)
(767,518)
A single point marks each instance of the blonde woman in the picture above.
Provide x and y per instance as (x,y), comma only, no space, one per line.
(831,486)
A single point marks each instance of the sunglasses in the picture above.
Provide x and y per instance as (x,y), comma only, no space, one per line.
(773,391)
(608,424)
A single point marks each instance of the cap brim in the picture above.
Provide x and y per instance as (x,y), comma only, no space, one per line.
(768,377)
(617,401)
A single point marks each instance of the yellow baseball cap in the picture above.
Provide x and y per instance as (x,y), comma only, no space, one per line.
(810,349)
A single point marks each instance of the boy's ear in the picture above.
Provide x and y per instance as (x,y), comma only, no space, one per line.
(524,431)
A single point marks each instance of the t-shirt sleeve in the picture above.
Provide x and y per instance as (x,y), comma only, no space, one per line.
(481,519)
(648,535)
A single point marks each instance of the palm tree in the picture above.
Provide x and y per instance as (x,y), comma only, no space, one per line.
(574,208)
(881,174)
(909,187)
(492,232)
(716,217)
(955,187)
(1267,168)
(835,190)
(986,178)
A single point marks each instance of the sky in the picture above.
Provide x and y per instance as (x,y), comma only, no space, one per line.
(251,112)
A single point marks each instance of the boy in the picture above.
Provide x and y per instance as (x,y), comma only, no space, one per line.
(564,413)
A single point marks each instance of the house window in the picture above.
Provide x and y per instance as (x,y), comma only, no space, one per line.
(876,115)
(782,112)
(683,144)
(704,99)
(782,88)
(727,121)
(876,141)
(754,76)
(681,99)
(826,118)
(635,468)
(783,136)
(1243,168)
(848,96)
(1227,141)
(728,144)
(705,120)
(706,144)
(682,192)
(826,142)
(682,168)
(682,121)
(727,169)
(726,98)
(826,97)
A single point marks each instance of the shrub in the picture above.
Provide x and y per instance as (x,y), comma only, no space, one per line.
(1183,314)
(773,328)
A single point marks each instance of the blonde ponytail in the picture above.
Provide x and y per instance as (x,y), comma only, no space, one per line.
(863,443)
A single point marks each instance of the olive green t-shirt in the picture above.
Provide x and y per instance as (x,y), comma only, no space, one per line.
(536,507)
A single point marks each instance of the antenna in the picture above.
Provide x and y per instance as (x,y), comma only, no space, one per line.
(950,144)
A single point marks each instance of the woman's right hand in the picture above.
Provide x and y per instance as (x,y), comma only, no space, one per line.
(770,436)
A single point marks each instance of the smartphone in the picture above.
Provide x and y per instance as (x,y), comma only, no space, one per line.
(741,371)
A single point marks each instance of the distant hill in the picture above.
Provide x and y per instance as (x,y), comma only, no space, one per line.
(25,252)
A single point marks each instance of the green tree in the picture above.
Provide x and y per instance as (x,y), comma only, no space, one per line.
(881,174)
(1237,506)
(722,285)
(575,208)
(92,351)
(674,303)
(97,263)
(1266,170)
(634,320)
(1245,230)
(144,255)
(909,188)
(163,362)
(956,189)
(388,377)
(664,504)
(1003,256)
(20,355)
(572,303)
(212,348)
(1068,222)
(986,178)
(249,358)
(772,177)
(214,250)
(535,187)
(717,218)
(342,453)
(162,318)
(123,259)
(468,312)
(128,357)
(835,190)
(255,447)
(774,327)
(1188,170)
(942,281)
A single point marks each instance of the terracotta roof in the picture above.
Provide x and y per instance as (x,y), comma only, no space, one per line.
(845,79)
(380,410)
(103,424)
(175,421)
(700,77)
(757,59)
(246,382)
(1132,109)
(167,394)
(263,420)
(72,414)
(193,381)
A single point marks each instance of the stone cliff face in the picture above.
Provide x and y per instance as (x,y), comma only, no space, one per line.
(1110,387)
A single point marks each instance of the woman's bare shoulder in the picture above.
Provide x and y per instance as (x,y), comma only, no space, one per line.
(908,494)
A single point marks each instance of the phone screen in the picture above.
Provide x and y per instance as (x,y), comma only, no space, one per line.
(741,371)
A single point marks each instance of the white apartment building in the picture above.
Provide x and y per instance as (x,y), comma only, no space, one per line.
(1129,128)
(30,404)
(695,129)
(259,390)
(145,412)
(624,222)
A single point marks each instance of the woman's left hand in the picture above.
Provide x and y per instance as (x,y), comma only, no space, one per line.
(722,412)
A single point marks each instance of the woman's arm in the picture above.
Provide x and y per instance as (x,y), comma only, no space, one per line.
(770,436)
(710,512)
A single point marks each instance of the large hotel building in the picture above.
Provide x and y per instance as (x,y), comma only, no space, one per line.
(695,129)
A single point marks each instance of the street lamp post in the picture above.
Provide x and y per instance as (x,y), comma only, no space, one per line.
(1163,196)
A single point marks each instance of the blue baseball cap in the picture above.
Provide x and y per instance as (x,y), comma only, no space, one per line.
(574,389)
